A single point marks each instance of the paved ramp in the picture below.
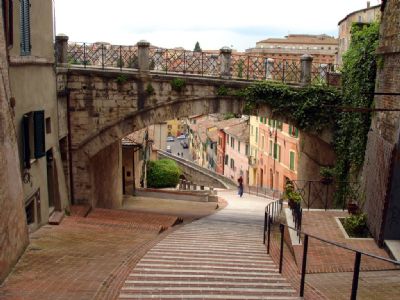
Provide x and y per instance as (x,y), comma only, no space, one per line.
(217,257)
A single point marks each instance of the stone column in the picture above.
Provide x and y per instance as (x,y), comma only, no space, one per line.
(194,186)
(269,68)
(306,67)
(159,59)
(143,55)
(180,183)
(226,54)
(184,184)
(61,49)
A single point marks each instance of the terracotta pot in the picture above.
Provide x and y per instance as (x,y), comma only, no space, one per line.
(352,208)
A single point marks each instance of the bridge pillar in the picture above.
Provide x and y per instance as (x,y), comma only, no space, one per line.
(143,55)
(226,54)
(306,69)
(61,49)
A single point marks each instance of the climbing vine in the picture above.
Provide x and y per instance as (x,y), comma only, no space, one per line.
(358,80)
(309,108)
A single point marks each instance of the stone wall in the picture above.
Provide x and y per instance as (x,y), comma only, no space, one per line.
(13,228)
(382,164)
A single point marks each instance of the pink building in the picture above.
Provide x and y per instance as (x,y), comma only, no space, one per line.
(278,145)
(236,162)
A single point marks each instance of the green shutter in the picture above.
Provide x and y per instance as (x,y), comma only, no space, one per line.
(39,134)
(296,134)
(26,150)
(275,150)
(25,28)
(269,122)
(292,161)
(270,147)
(290,129)
(279,153)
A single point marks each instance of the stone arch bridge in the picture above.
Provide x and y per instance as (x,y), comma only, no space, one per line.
(103,105)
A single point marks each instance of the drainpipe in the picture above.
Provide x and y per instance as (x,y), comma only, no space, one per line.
(71,174)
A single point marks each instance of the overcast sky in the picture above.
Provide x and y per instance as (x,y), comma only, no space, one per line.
(214,23)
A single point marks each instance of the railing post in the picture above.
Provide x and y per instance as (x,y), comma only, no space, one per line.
(303,266)
(61,49)
(282,229)
(269,67)
(269,233)
(121,62)
(84,55)
(102,56)
(226,56)
(143,56)
(202,63)
(309,195)
(265,226)
(184,61)
(283,71)
(356,275)
(306,67)
(248,67)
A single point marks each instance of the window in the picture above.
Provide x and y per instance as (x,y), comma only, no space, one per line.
(262,142)
(277,152)
(256,134)
(293,131)
(169,126)
(226,159)
(33,124)
(251,130)
(238,146)
(270,147)
(279,125)
(232,164)
(232,142)
(219,141)
(227,139)
(8,21)
(247,149)
(25,28)
(292,155)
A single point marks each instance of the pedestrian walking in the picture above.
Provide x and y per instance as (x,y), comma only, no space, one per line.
(240,186)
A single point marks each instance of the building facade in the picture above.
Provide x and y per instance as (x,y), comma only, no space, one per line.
(365,15)
(278,145)
(237,152)
(322,47)
(253,158)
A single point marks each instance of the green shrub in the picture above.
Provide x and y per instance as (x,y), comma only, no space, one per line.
(121,79)
(163,173)
(178,84)
(356,225)
(150,89)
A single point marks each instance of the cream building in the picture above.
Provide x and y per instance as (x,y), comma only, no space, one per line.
(253,165)
(33,89)
(365,15)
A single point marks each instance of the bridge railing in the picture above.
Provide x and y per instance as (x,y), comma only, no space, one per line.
(221,63)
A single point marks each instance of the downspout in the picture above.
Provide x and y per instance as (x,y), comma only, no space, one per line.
(71,174)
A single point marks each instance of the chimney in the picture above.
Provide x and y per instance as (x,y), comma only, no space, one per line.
(368,4)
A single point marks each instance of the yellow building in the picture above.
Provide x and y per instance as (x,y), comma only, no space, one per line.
(254,132)
(175,127)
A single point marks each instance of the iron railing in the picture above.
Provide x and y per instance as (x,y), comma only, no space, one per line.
(327,194)
(306,236)
(271,215)
(262,191)
(197,63)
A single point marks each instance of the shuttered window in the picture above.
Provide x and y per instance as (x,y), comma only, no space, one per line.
(39,133)
(291,160)
(25,28)
(8,21)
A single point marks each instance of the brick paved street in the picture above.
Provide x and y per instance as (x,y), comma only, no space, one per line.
(87,258)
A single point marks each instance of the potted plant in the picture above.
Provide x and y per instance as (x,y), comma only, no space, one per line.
(327,174)
(289,188)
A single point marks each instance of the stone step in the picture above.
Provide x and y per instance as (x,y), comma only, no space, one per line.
(193,289)
(209,297)
(144,265)
(214,260)
(208,277)
(173,283)
(56,218)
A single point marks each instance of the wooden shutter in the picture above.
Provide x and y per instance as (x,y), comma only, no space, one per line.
(292,161)
(25,28)
(26,151)
(39,133)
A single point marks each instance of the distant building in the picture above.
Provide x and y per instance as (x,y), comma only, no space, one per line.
(175,127)
(322,47)
(278,148)
(365,15)
(253,158)
(237,152)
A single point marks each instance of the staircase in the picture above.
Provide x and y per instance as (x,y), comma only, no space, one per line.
(218,257)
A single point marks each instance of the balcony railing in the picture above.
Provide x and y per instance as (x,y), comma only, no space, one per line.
(239,66)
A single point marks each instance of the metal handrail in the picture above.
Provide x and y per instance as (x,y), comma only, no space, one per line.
(271,214)
(357,261)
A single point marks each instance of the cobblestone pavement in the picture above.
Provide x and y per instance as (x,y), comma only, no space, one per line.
(218,257)
(86,258)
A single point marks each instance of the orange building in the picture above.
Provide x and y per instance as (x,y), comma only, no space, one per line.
(322,47)
(278,148)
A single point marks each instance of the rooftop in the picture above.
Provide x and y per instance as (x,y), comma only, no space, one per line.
(303,39)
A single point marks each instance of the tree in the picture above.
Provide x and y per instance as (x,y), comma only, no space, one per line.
(197,47)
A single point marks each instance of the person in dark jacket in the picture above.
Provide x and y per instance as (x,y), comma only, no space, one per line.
(240,186)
